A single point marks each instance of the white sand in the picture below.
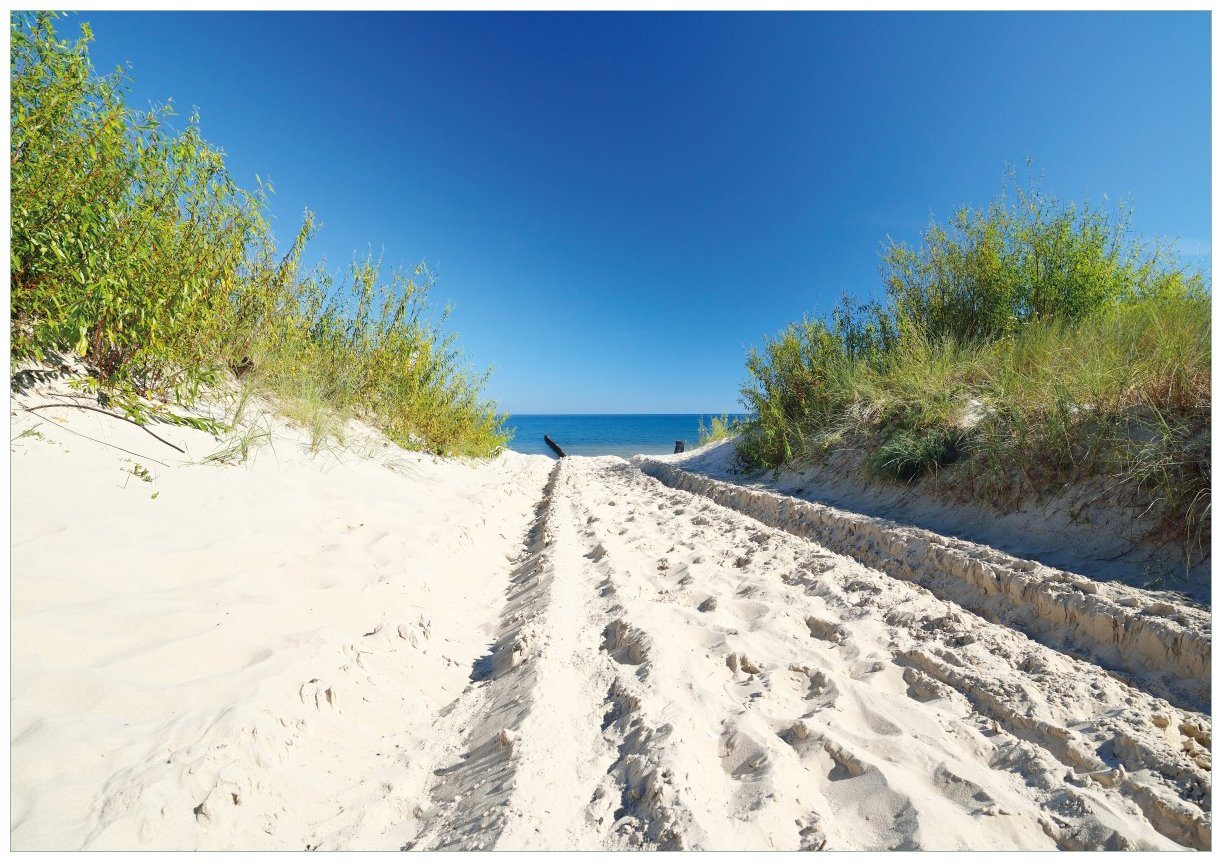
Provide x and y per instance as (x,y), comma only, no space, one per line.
(257,657)
(389,650)
(1086,528)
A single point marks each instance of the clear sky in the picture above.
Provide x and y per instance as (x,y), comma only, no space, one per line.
(618,205)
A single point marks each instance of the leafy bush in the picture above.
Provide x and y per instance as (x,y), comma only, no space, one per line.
(1041,341)
(133,247)
(1026,257)
(126,238)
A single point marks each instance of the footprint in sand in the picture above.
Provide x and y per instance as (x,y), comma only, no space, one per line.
(924,688)
(597,553)
(753,614)
(743,756)
(816,688)
(810,833)
(736,662)
(318,694)
(625,643)
(825,630)
(885,819)
(836,635)
(964,793)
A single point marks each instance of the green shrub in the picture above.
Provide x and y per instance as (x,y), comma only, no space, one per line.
(1026,257)
(1060,344)
(908,454)
(133,247)
(126,238)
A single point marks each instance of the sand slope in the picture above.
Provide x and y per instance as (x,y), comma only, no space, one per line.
(392,651)
(257,658)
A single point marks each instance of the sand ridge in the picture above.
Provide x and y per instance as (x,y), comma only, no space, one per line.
(1164,645)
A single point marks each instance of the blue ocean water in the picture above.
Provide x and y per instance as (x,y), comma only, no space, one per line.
(623,434)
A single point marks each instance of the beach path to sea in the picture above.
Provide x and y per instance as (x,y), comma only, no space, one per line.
(672,673)
(390,650)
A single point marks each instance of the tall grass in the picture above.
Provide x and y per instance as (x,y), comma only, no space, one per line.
(134,247)
(1039,342)
(719,428)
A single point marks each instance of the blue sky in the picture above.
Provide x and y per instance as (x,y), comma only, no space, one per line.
(618,205)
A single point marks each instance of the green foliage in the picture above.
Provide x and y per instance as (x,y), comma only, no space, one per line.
(1040,342)
(126,238)
(1026,257)
(719,428)
(799,382)
(365,346)
(132,246)
(908,454)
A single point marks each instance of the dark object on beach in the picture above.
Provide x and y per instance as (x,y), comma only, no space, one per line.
(552,443)
(678,446)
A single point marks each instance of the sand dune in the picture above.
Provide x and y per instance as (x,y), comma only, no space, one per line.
(388,650)
(255,658)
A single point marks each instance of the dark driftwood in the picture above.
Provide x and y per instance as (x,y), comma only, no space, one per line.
(552,443)
(678,446)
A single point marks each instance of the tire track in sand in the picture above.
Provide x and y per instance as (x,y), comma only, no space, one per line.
(556,755)
(1156,645)
(470,797)
(1023,747)
(672,674)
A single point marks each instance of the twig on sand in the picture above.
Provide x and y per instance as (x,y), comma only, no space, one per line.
(106,413)
(104,443)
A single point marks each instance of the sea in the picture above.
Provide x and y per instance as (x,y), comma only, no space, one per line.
(623,434)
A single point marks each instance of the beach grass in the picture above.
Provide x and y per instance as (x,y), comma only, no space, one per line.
(134,248)
(1036,342)
(719,428)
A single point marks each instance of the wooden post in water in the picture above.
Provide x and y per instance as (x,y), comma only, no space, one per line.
(552,443)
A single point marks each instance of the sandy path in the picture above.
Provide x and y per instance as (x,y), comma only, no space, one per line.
(1158,641)
(395,651)
(670,673)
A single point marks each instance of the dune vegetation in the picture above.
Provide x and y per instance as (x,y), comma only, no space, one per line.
(720,427)
(1035,343)
(134,249)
